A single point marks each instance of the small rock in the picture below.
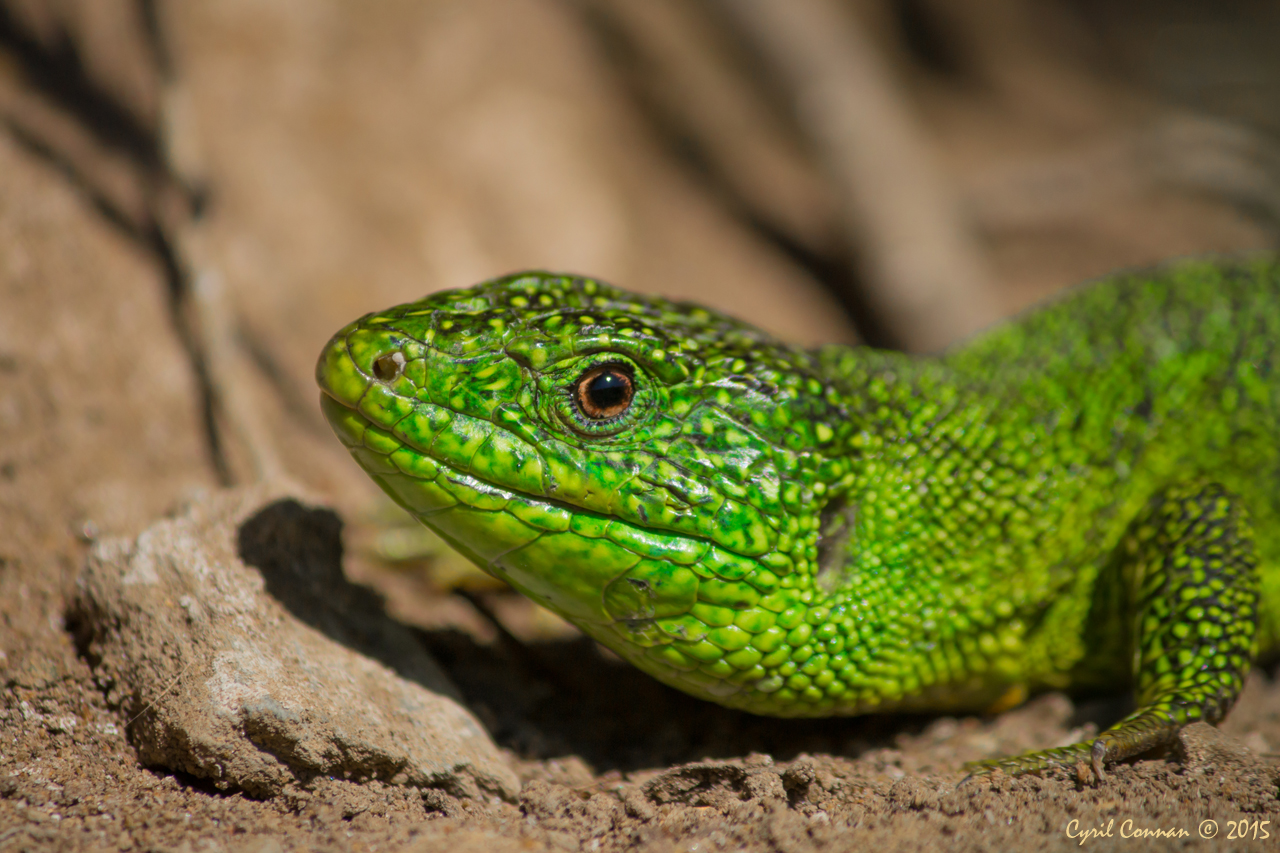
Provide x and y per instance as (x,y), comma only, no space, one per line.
(1204,749)
(912,793)
(259,678)
(638,805)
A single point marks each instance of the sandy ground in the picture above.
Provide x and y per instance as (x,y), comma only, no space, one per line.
(352,157)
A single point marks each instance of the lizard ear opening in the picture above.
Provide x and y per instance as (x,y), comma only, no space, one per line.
(836,531)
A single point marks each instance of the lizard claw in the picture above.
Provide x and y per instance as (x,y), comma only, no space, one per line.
(1098,757)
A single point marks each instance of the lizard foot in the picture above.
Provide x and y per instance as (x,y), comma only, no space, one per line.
(1142,731)
(1195,583)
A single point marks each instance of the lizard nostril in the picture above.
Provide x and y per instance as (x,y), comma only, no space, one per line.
(388,367)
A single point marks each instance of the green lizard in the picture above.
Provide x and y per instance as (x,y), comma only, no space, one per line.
(1067,501)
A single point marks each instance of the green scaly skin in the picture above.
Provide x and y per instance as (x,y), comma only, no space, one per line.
(1067,501)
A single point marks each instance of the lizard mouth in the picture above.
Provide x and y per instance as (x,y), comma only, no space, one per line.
(389,459)
(554,553)
(390,408)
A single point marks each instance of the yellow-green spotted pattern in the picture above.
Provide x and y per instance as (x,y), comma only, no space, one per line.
(805,533)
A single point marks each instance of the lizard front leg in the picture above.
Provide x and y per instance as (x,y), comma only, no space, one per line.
(1192,574)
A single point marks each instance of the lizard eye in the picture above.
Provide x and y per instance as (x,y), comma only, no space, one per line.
(604,391)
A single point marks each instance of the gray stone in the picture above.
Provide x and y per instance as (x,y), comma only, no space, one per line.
(238,653)
(1204,749)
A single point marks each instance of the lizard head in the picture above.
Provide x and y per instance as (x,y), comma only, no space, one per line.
(650,470)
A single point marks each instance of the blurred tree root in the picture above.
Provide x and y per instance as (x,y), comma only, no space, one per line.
(858,182)
(802,118)
(93,91)
(1183,152)
(923,271)
(678,63)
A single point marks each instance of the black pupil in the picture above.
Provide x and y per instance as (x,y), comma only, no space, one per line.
(608,390)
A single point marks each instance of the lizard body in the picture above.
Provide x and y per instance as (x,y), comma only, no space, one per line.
(1087,497)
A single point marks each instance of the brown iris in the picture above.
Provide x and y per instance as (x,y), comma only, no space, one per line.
(604,392)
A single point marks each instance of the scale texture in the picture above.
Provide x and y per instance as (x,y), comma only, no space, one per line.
(1087,497)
